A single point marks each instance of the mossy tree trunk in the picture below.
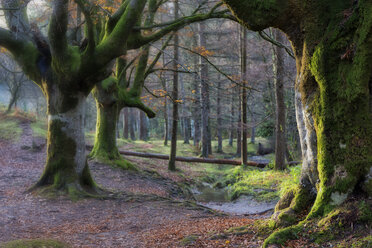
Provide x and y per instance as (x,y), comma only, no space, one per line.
(66,165)
(105,148)
(332,41)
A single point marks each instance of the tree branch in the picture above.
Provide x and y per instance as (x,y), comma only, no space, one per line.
(90,26)
(57,31)
(112,44)
(176,25)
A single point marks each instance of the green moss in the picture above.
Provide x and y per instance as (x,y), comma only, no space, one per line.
(264,185)
(363,243)
(258,15)
(283,235)
(34,243)
(60,173)
(341,65)
(365,212)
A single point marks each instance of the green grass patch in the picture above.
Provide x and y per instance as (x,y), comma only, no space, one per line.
(10,130)
(35,243)
(39,129)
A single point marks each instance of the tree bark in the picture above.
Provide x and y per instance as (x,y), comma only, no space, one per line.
(204,96)
(105,147)
(143,127)
(126,123)
(219,116)
(66,165)
(278,66)
(232,121)
(334,60)
(172,157)
(239,129)
(132,124)
(244,98)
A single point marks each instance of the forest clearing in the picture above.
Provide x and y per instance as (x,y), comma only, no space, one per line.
(173,123)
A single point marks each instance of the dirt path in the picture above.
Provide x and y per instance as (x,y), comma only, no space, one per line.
(103,223)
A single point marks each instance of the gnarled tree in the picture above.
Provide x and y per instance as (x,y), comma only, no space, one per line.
(67,72)
(115,93)
(332,42)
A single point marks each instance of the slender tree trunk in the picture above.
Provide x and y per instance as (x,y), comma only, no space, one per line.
(172,157)
(232,116)
(253,129)
(196,109)
(184,113)
(143,126)
(239,129)
(278,65)
(219,116)
(132,124)
(187,130)
(244,97)
(206,137)
(126,123)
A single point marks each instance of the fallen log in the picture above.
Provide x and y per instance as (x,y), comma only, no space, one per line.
(188,159)
(194,159)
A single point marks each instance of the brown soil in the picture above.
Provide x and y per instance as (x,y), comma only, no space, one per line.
(139,221)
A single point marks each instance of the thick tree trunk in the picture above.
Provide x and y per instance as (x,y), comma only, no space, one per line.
(66,165)
(105,147)
(278,66)
(334,66)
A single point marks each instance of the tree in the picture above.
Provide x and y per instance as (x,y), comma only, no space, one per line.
(244,97)
(172,157)
(117,92)
(204,97)
(66,72)
(332,44)
(280,139)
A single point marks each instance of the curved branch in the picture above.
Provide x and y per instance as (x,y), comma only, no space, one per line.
(58,29)
(266,37)
(112,45)
(24,52)
(176,25)
(217,69)
(90,26)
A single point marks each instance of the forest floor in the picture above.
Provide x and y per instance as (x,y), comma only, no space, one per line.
(151,210)
(137,219)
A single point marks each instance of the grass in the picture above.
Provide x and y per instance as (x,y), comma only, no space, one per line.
(34,243)
(39,129)
(9,129)
(264,185)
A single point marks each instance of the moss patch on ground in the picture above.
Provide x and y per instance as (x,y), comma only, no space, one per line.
(34,243)
(264,185)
